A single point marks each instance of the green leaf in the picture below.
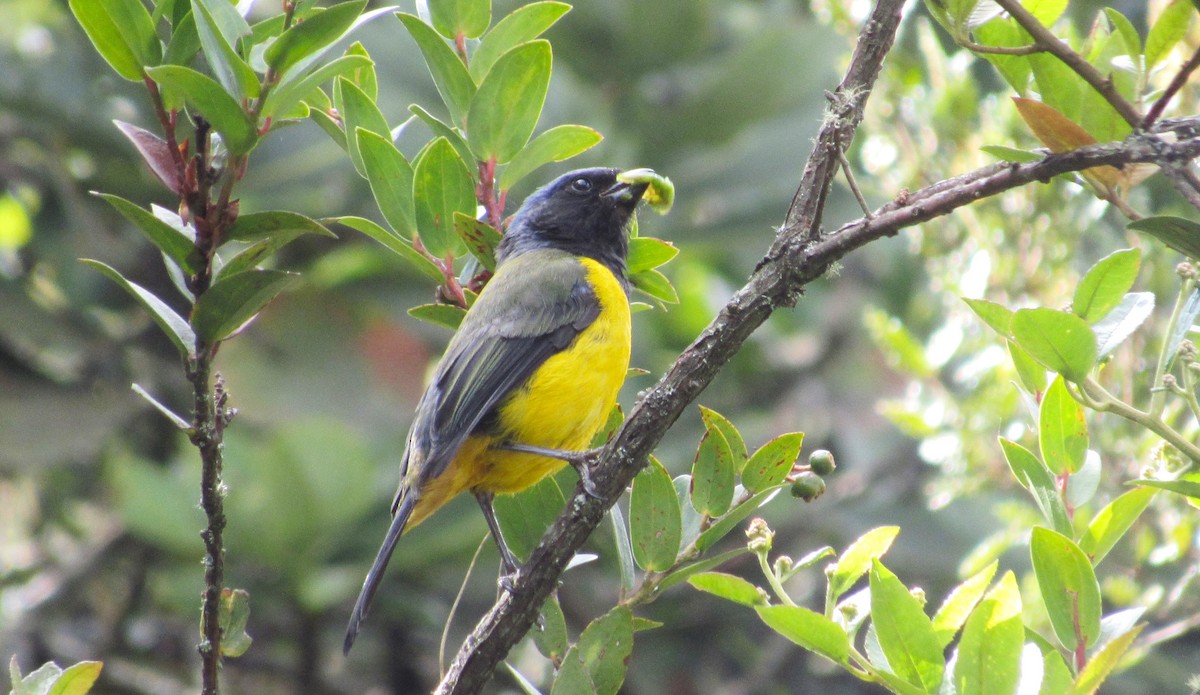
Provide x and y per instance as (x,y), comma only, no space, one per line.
(654,284)
(442,186)
(77,679)
(1031,374)
(1062,430)
(184,43)
(1179,233)
(316,32)
(808,629)
(989,653)
(175,419)
(524,24)
(772,462)
(1033,475)
(233,612)
(175,244)
(1068,586)
(1056,675)
(1012,154)
(960,602)
(233,301)
(554,145)
(391,179)
(856,560)
(1168,30)
(449,74)
(905,633)
(646,253)
(730,587)
(1046,11)
(122,32)
(218,107)
(1120,323)
(481,239)
(1125,29)
(1100,665)
(364,76)
(293,88)
(505,110)
(1105,284)
(654,518)
(232,72)
(721,527)
(572,677)
(445,315)
(714,420)
(624,548)
(1110,523)
(1062,342)
(712,475)
(358,111)
(550,633)
(605,647)
(228,21)
(445,131)
(1015,70)
(1187,486)
(997,317)
(466,18)
(170,322)
(398,245)
(524,517)
(688,571)
(616,416)
(255,226)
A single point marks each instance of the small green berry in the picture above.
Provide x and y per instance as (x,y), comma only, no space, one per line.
(821,462)
(808,486)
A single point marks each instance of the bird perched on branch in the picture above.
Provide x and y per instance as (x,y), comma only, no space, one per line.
(535,366)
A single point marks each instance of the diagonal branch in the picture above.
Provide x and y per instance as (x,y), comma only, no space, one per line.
(798,256)
(514,613)
(1183,179)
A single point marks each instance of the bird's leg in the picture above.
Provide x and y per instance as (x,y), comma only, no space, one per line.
(577,459)
(508,561)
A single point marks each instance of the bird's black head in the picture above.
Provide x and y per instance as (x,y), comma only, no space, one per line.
(585,212)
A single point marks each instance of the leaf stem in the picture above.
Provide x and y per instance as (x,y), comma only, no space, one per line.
(1158,394)
(1098,398)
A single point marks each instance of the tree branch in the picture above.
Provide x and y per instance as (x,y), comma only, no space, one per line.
(514,613)
(1045,39)
(798,256)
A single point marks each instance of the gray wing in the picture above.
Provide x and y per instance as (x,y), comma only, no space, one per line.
(532,309)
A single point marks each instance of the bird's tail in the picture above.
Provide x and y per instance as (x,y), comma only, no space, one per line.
(375,575)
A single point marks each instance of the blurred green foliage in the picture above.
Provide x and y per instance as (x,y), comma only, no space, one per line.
(882,363)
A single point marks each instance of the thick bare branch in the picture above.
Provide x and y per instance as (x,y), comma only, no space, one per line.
(512,616)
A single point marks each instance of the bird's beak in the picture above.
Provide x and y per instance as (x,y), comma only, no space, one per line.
(625,194)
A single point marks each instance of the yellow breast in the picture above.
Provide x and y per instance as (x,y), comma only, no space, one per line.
(570,396)
(562,406)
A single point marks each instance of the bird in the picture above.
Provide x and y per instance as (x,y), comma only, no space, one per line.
(534,369)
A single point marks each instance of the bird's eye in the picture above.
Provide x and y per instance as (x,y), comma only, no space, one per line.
(581,185)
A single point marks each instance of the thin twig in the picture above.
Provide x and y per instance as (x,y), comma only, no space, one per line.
(1177,82)
(862,201)
(1002,50)
(1043,38)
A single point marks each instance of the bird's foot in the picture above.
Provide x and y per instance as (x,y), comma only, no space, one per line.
(579,460)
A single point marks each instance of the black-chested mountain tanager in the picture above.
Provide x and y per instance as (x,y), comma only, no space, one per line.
(535,365)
